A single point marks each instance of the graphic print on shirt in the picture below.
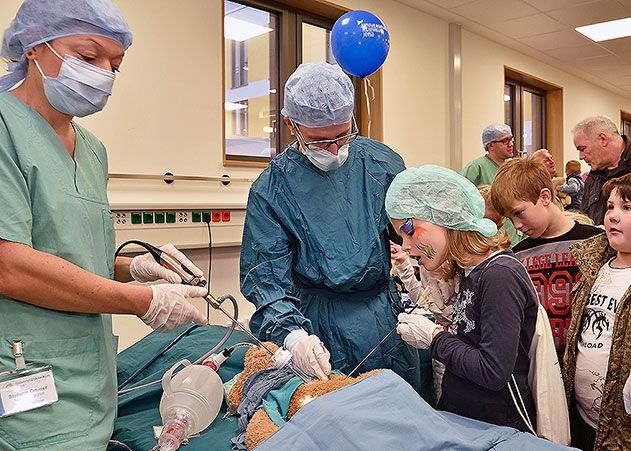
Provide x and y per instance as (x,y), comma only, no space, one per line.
(553,273)
(597,386)
(464,300)
(599,311)
(598,321)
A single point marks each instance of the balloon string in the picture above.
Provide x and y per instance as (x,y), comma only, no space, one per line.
(370,98)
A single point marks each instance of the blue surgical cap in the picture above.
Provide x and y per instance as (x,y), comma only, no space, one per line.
(39,21)
(495,132)
(440,196)
(319,95)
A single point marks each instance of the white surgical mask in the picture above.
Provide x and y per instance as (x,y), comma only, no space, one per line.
(80,88)
(325,160)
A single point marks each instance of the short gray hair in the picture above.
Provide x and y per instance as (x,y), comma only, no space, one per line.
(594,125)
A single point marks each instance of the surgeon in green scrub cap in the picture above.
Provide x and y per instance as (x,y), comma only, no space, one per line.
(315,259)
(59,281)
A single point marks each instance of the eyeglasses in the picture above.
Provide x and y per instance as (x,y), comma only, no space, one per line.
(407,227)
(324,144)
(505,141)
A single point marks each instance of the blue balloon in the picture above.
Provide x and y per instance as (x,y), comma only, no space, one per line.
(360,42)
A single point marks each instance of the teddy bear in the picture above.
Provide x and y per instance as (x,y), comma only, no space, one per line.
(563,197)
(260,426)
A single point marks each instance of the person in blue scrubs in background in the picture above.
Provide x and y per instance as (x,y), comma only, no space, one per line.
(59,279)
(315,258)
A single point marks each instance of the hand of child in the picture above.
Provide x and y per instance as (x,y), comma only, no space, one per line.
(398,255)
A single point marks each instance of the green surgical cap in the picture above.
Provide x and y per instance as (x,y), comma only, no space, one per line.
(39,21)
(440,196)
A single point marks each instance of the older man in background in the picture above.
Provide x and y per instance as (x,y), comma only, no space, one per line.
(545,157)
(608,154)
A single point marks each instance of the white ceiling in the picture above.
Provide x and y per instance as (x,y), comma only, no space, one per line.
(544,29)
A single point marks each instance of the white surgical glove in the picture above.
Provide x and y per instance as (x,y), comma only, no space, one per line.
(309,354)
(626,394)
(145,268)
(416,330)
(398,255)
(170,307)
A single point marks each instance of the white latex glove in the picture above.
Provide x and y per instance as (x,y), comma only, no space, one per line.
(626,394)
(170,307)
(398,255)
(144,268)
(416,330)
(309,354)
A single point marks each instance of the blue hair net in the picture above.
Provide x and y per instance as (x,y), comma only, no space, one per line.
(39,21)
(440,196)
(495,132)
(319,95)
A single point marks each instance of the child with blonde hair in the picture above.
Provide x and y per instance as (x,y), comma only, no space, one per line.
(439,214)
(573,185)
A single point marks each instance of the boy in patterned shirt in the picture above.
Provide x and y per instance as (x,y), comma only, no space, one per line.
(523,191)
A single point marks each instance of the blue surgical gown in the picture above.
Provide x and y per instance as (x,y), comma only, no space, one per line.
(315,256)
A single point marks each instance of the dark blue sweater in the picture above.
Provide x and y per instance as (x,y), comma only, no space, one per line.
(492,328)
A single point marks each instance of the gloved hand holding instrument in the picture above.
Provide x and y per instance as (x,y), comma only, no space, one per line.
(170,305)
(169,311)
(423,298)
(167,263)
(309,354)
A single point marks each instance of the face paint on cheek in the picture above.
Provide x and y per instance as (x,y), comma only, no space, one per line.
(427,250)
(419,232)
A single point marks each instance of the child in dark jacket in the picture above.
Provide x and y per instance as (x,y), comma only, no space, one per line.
(440,216)
(573,185)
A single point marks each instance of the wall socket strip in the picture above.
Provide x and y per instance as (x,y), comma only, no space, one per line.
(167,218)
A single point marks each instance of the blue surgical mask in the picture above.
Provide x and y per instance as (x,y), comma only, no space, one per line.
(325,160)
(80,88)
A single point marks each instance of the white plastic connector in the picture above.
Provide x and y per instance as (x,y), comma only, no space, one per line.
(281,357)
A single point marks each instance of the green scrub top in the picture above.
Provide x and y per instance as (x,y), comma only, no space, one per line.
(481,171)
(57,204)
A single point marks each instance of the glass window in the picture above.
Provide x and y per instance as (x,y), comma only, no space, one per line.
(316,44)
(532,122)
(264,42)
(251,81)
(524,112)
(509,105)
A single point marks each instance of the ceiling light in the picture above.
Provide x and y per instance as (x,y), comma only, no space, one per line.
(241,30)
(607,30)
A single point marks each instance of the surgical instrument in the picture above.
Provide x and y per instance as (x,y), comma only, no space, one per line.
(421,299)
(210,299)
(162,257)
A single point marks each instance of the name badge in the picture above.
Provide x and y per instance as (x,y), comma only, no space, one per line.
(26,389)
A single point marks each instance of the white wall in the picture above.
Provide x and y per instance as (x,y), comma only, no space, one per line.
(415,81)
(166,110)
(483,64)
